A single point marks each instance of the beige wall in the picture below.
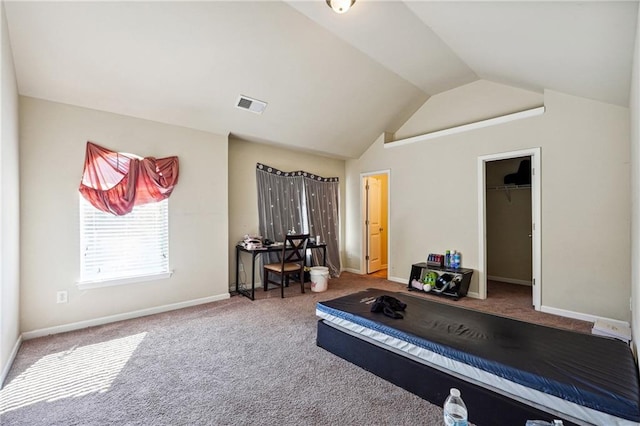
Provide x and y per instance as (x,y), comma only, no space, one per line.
(9,206)
(243,193)
(635,187)
(585,197)
(53,139)
(472,102)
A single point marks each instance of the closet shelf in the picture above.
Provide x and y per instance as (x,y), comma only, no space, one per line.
(508,188)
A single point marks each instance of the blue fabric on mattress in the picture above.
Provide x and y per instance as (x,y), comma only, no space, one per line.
(592,371)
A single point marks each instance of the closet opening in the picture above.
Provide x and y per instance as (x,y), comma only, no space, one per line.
(509,240)
(509,250)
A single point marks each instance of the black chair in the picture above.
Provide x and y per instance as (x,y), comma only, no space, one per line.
(292,261)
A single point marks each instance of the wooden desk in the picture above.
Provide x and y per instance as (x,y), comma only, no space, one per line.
(270,249)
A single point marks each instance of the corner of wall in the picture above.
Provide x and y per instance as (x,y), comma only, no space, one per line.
(10,200)
(634,119)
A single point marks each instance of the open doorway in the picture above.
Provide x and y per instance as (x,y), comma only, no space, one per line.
(375,189)
(509,212)
(509,220)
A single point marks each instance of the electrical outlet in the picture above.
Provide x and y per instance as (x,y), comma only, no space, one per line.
(62,297)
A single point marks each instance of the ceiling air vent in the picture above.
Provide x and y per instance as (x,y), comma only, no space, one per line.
(252,105)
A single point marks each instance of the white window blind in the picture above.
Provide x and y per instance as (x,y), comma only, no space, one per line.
(120,247)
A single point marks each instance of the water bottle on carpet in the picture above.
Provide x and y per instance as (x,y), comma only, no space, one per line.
(455,412)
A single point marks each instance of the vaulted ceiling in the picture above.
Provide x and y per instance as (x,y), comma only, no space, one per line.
(333,83)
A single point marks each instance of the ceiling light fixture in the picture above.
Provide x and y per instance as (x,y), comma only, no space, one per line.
(340,6)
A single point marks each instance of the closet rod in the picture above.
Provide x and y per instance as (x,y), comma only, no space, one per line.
(508,188)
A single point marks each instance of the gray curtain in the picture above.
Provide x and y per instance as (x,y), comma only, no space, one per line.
(280,204)
(323,207)
(303,202)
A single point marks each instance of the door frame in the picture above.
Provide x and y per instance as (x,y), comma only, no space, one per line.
(363,216)
(374,211)
(536,269)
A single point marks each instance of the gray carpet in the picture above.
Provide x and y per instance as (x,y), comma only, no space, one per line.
(234,362)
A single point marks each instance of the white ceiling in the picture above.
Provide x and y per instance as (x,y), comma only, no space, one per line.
(333,83)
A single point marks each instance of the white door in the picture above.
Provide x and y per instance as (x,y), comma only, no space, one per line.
(374,227)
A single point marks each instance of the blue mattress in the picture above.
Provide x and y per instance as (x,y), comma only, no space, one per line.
(591,371)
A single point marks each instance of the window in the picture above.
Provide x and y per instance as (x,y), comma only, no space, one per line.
(123,249)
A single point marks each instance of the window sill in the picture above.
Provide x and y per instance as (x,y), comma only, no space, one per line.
(87,285)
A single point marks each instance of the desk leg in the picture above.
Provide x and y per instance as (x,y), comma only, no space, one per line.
(324,255)
(237,268)
(253,274)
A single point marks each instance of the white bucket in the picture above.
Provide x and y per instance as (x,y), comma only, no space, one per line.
(319,278)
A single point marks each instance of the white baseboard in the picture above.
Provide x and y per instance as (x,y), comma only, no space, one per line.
(398,279)
(353,271)
(473,295)
(579,315)
(121,317)
(509,280)
(12,357)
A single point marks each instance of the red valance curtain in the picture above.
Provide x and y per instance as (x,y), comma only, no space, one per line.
(114,182)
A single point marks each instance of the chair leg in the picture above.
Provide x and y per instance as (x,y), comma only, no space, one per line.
(302,279)
(282,280)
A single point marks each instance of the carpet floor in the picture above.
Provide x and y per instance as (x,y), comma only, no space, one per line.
(234,362)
